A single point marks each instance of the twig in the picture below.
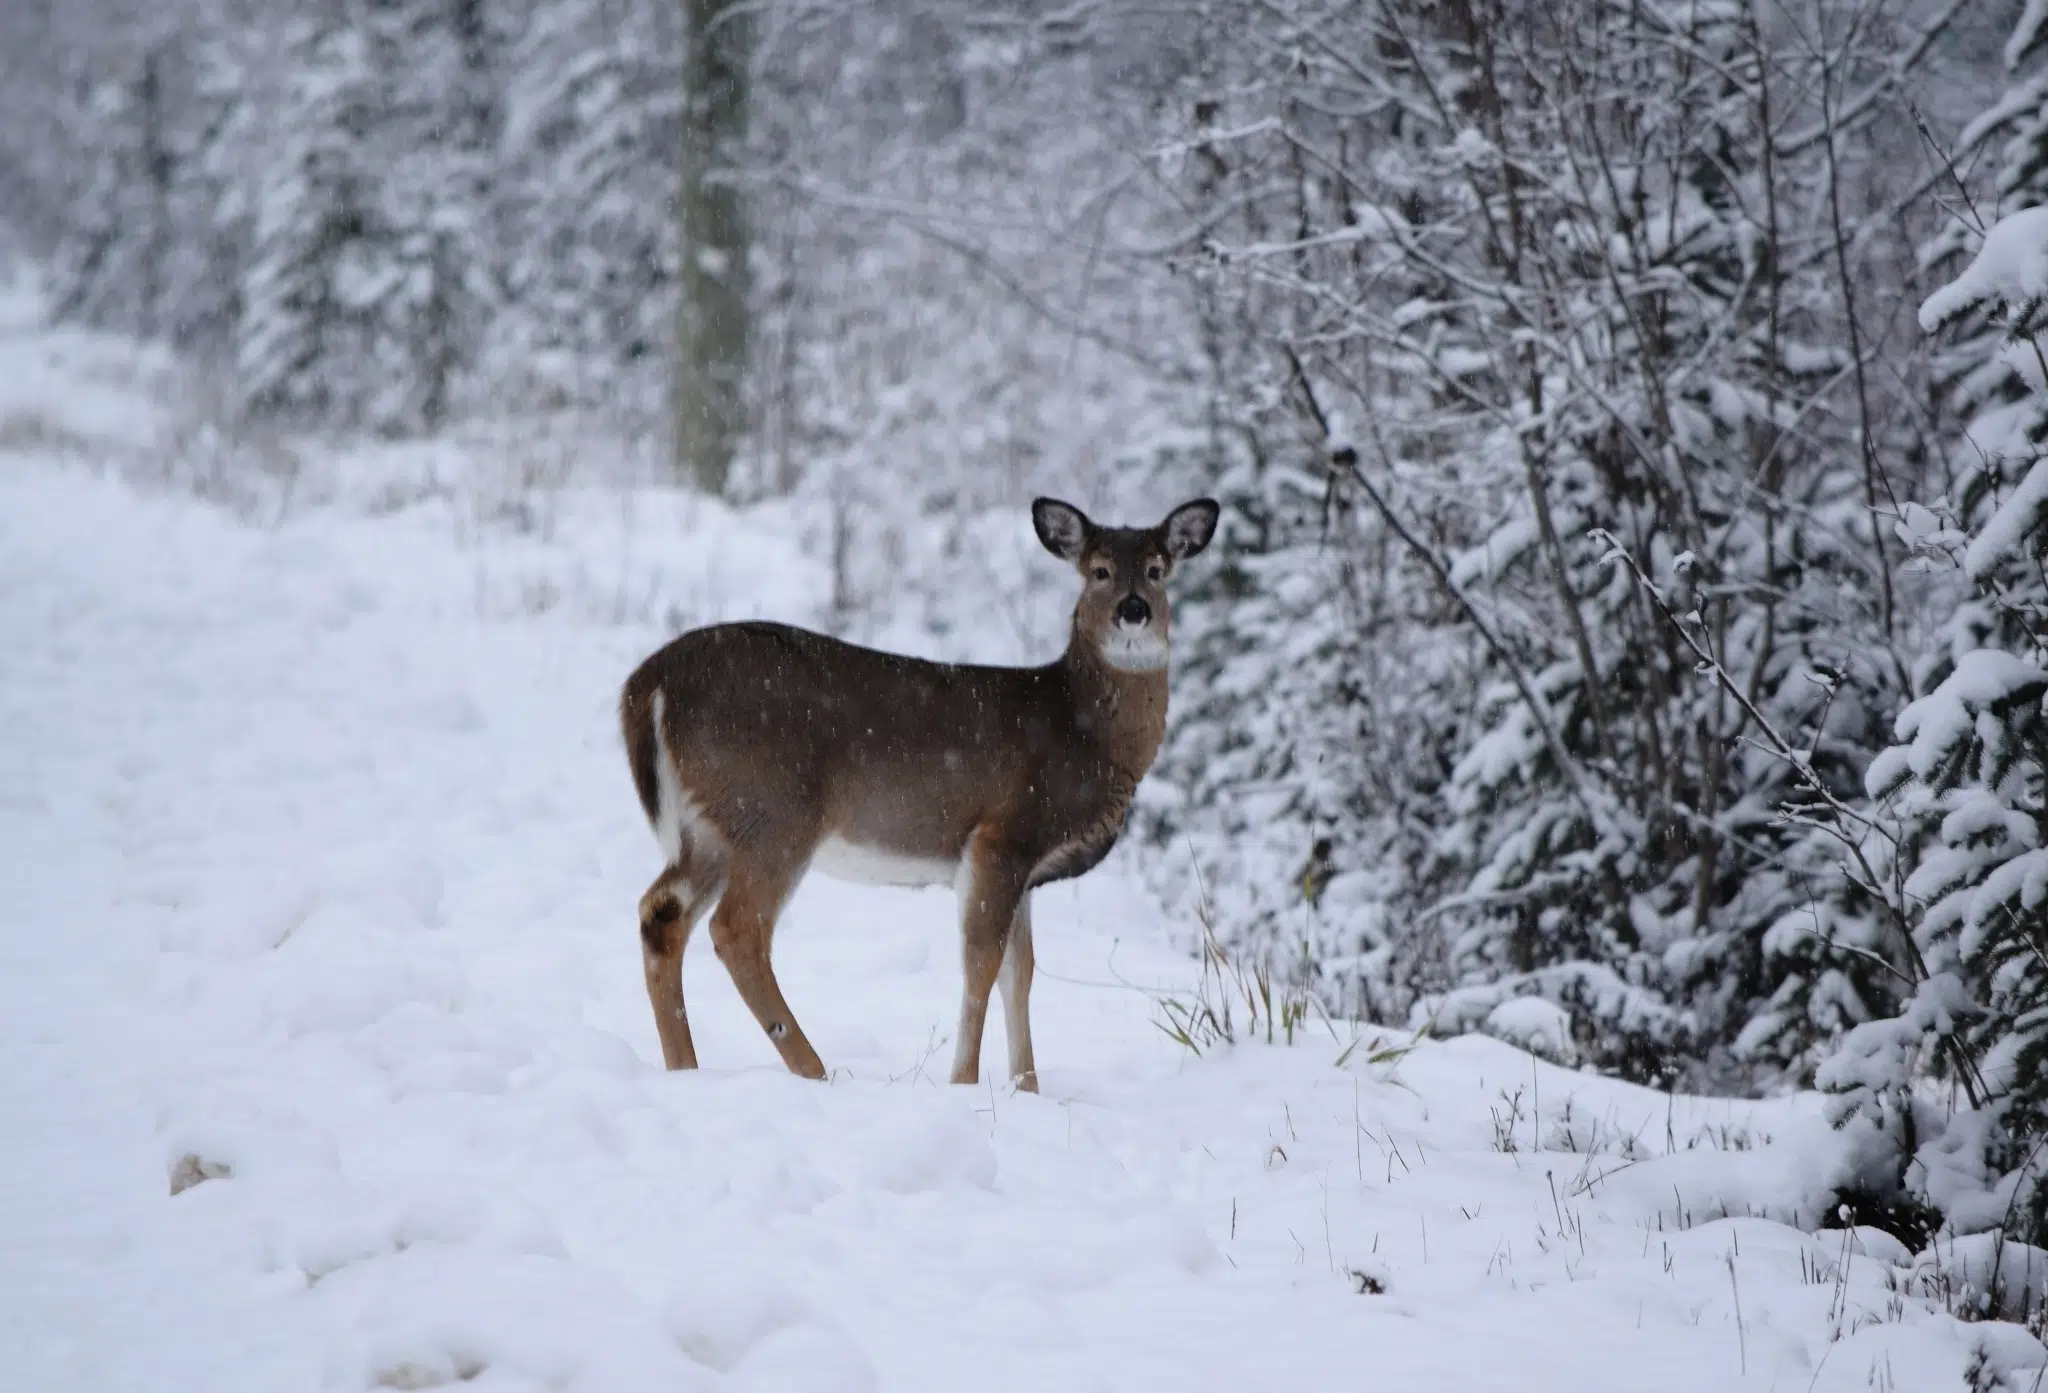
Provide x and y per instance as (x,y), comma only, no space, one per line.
(1741,1333)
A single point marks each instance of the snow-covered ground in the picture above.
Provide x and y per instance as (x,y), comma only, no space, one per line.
(318,864)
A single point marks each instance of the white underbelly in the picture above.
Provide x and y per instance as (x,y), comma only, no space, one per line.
(867,865)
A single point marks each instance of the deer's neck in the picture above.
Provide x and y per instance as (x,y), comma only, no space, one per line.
(1123,711)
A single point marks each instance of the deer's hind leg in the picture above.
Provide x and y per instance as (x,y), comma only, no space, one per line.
(668,912)
(743,932)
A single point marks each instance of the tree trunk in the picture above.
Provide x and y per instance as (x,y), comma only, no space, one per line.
(712,327)
(156,170)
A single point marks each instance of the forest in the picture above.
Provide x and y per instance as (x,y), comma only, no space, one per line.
(1630,609)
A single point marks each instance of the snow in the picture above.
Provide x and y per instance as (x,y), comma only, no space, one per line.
(1984,679)
(1986,1268)
(2011,268)
(2004,536)
(320,873)
(1541,1027)
(1507,544)
(2027,32)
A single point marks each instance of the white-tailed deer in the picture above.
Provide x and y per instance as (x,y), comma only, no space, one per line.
(761,752)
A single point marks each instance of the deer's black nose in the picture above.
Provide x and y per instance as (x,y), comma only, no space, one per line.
(1133,611)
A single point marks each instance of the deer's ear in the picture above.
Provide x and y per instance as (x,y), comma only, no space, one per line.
(1189,527)
(1062,527)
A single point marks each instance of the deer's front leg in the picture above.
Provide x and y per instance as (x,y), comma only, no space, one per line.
(1015,981)
(992,886)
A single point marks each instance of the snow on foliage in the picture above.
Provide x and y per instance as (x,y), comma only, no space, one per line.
(1533,1024)
(2005,535)
(2009,273)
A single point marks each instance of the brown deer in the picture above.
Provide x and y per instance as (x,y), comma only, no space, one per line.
(762,752)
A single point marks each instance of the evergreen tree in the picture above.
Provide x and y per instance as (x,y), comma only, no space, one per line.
(1966,787)
(313,235)
(590,200)
(156,247)
(438,118)
(372,265)
(112,268)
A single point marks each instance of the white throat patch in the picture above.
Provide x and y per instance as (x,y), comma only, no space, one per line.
(1134,650)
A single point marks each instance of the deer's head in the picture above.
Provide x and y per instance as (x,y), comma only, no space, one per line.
(1123,612)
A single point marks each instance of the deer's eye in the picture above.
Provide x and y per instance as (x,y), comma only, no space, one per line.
(1102,573)
(1154,573)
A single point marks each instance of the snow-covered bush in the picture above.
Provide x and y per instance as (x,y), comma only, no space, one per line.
(1440,736)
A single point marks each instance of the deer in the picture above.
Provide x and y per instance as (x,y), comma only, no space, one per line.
(762,752)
